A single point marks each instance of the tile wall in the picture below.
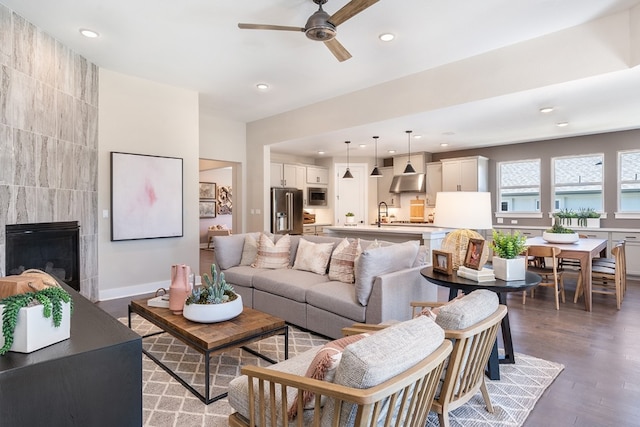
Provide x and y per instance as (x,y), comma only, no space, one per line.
(48,138)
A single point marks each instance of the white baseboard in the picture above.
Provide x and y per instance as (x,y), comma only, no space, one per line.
(142,289)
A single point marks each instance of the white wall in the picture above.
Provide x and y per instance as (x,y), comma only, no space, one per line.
(142,117)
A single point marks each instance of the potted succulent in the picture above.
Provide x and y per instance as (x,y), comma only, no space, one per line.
(33,320)
(214,301)
(508,262)
(559,233)
(588,217)
(350,218)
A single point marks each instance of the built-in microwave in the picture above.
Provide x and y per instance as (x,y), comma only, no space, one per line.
(317,196)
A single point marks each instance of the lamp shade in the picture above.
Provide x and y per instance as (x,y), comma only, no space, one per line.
(463,209)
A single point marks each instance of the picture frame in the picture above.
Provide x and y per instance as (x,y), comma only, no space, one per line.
(146,196)
(208,191)
(474,253)
(441,262)
(207,208)
(225,200)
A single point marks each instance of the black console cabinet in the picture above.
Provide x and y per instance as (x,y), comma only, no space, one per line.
(92,379)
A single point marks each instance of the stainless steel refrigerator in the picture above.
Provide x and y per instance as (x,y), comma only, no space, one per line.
(286,211)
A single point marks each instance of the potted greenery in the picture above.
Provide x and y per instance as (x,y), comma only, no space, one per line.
(588,218)
(215,301)
(33,320)
(350,218)
(508,262)
(559,233)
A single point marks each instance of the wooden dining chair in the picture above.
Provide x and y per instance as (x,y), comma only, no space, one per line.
(610,262)
(607,277)
(551,275)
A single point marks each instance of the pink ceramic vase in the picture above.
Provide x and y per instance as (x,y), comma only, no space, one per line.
(180,287)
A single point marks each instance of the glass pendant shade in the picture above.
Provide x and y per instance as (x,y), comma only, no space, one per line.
(347,174)
(375,173)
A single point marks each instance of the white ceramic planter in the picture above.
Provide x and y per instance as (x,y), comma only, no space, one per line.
(593,222)
(560,237)
(212,313)
(509,269)
(34,331)
(350,219)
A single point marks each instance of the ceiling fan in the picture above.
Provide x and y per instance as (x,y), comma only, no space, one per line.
(322,27)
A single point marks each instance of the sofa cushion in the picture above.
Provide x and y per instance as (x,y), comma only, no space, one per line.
(323,367)
(464,312)
(343,259)
(381,260)
(242,275)
(338,298)
(312,257)
(383,355)
(288,283)
(250,248)
(228,250)
(273,255)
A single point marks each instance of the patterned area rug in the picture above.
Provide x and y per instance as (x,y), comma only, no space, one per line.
(166,403)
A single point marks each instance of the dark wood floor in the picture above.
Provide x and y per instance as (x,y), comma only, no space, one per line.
(600,385)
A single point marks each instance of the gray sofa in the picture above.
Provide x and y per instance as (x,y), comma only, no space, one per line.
(387,279)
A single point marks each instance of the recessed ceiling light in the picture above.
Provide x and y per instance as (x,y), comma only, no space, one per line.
(362,145)
(417,136)
(546,109)
(444,144)
(89,33)
(386,37)
(562,124)
(391,151)
(262,86)
(320,152)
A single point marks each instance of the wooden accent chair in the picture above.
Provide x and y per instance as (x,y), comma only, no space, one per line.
(608,276)
(464,373)
(403,399)
(551,276)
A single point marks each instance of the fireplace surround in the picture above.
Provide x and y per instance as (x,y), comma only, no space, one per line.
(49,246)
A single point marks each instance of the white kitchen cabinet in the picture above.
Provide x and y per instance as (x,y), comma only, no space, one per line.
(391,199)
(465,174)
(400,162)
(287,175)
(317,175)
(434,182)
(631,250)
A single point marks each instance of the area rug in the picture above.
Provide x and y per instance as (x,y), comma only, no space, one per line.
(166,403)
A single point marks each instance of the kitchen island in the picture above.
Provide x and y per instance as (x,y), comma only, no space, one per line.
(428,235)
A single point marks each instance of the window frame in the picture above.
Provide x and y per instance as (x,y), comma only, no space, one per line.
(519,214)
(555,200)
(619,214)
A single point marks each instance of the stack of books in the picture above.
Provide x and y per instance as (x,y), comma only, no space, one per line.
(484,275)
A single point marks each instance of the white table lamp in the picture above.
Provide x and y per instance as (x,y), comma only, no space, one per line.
(465,211)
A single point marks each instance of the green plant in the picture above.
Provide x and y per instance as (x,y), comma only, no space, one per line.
(215,290)
(584,214)
(51,299)
(350,214)
(508,246)
(558,228)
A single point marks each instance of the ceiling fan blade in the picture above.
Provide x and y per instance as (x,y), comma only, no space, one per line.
(269,27)
(338,50)
(350,10)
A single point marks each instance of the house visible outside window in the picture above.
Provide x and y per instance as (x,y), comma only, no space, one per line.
(519,183)
(577,182)
(629,181)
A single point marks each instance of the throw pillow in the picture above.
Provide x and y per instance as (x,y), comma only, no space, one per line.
(465,312)
(323,367)
(273,255)
(385,259)
(343,259)
(313,257)
(249,250)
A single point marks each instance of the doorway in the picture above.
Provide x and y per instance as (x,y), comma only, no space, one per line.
(351,193)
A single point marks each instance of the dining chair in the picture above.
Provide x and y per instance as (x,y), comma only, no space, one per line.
(608,276)
(551,275)
(566,264)
(610,262)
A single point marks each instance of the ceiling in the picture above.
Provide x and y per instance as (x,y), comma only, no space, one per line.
(196,44)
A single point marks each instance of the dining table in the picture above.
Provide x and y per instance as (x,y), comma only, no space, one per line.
(583,250)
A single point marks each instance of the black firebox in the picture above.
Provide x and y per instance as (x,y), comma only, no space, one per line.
(49,246)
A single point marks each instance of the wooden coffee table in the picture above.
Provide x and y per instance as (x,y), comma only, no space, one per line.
(211,338)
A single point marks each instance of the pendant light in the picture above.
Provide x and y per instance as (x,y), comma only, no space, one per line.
(375,173)
(409,169)
(347,174)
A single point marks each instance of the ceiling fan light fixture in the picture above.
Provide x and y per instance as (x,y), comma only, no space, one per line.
(318,26)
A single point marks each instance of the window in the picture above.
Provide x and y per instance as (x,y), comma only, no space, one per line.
(629,178)
(519,186)
(577,182)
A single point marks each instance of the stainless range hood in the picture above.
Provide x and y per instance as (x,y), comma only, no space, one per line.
(413,183)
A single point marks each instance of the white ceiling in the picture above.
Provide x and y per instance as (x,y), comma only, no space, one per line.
(196,44)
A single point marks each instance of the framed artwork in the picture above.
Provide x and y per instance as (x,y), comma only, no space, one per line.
(474,253)
(225,201)
(207,208)
(442,262)
(208,190)
(146,196)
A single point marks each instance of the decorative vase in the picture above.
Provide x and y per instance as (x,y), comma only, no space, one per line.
(212,313)
(509,269)
(180,287)
(560,237)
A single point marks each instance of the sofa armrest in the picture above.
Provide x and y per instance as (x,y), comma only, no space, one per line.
(393,293)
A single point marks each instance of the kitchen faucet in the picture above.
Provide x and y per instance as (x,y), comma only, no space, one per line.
(386,211)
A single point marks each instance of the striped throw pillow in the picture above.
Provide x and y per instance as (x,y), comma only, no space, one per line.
(273,255)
